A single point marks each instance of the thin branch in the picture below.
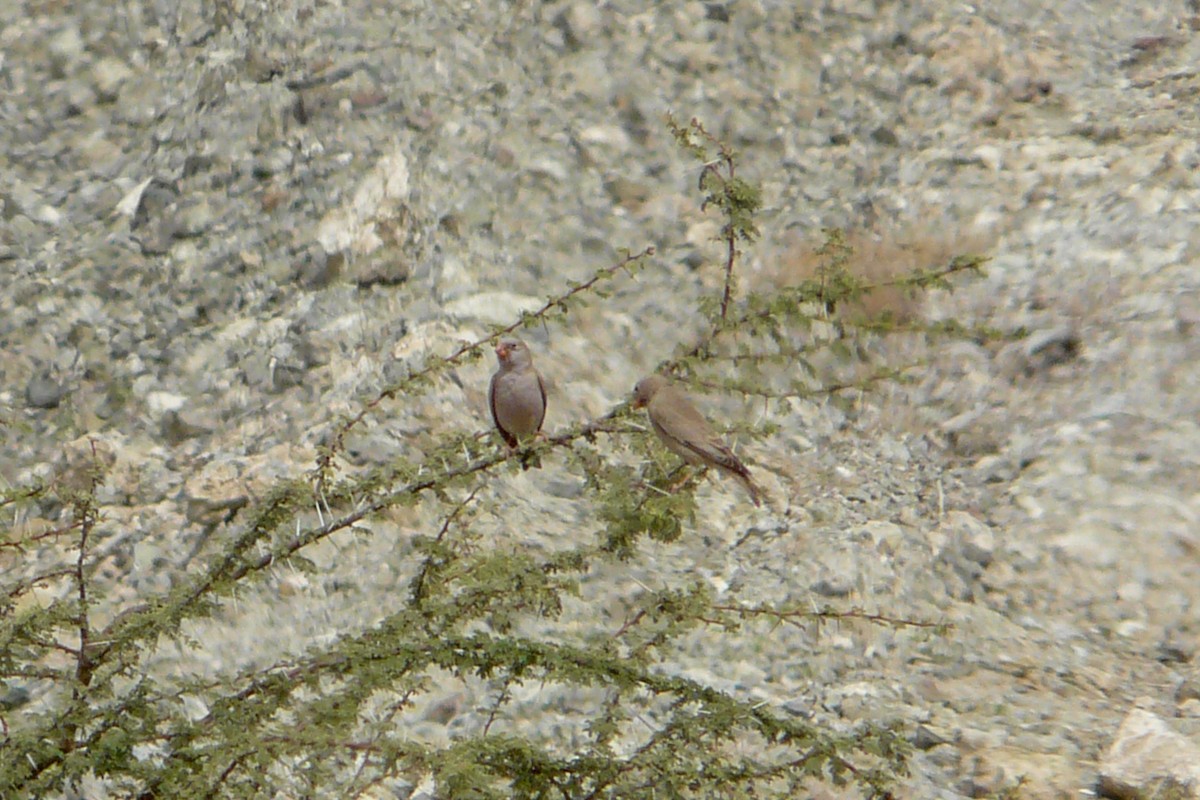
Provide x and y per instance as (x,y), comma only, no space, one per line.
(433,366)
(28,493)
(372,744)
(881,375)
(418,591)
(796,616)
(501,699)
(701,346)
(20,544)
(38,580)
(629,623)
(729,231)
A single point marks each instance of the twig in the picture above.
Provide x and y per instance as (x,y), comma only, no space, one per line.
(325,460)
(500,700)
(418,591)
(794,616)
(47,534)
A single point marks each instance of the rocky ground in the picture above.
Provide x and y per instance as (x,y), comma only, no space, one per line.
(223,224)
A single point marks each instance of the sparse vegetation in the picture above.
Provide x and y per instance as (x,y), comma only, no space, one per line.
(331,720)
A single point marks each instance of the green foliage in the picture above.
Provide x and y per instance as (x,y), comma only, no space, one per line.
(633,503)
(335,719)
(736,199)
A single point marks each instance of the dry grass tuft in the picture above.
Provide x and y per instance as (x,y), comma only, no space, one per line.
(877,257)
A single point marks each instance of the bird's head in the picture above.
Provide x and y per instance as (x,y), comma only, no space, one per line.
(513,353)
(646,388)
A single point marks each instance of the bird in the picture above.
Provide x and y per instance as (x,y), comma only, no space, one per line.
(687,433)
(516,394)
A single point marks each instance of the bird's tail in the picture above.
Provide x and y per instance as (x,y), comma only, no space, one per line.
(753,489)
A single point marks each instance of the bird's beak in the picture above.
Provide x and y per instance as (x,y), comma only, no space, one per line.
(637,402)
(502,351)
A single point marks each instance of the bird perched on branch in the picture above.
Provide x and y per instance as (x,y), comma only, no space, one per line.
(516,395)
(687,433)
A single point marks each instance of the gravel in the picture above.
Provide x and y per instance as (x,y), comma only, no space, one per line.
(223,225)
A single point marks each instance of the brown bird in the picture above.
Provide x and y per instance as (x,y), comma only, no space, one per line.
(686,433)
(516,395)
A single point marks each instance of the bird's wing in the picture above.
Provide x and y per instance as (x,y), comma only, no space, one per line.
(678,416)
(508,438)
(542,389)
(680,420)
(720,454)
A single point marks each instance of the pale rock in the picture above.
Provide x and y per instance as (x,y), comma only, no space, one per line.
(1146,752)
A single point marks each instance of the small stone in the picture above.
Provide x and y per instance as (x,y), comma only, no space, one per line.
(193,220)
(1188,689)
(1145,755)
(197,163)
(14,698)
(286,375)
(579,24)
(159,402)
(1174,651)
(837,586)
(1129,628)
(974,740)
(1026,89)
(262,68)
(567,488)
(175,428)
(718,12)
(989,156)
(43,391)
(446,709)
(1056,346)
(887,536)
(147,201)
(386,266)
(293,585)
(318,269)
(66,50)
(925,739)
(973,540)
(108,75)
(885,136)
(275,161)
(627,193)
(1098,133)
